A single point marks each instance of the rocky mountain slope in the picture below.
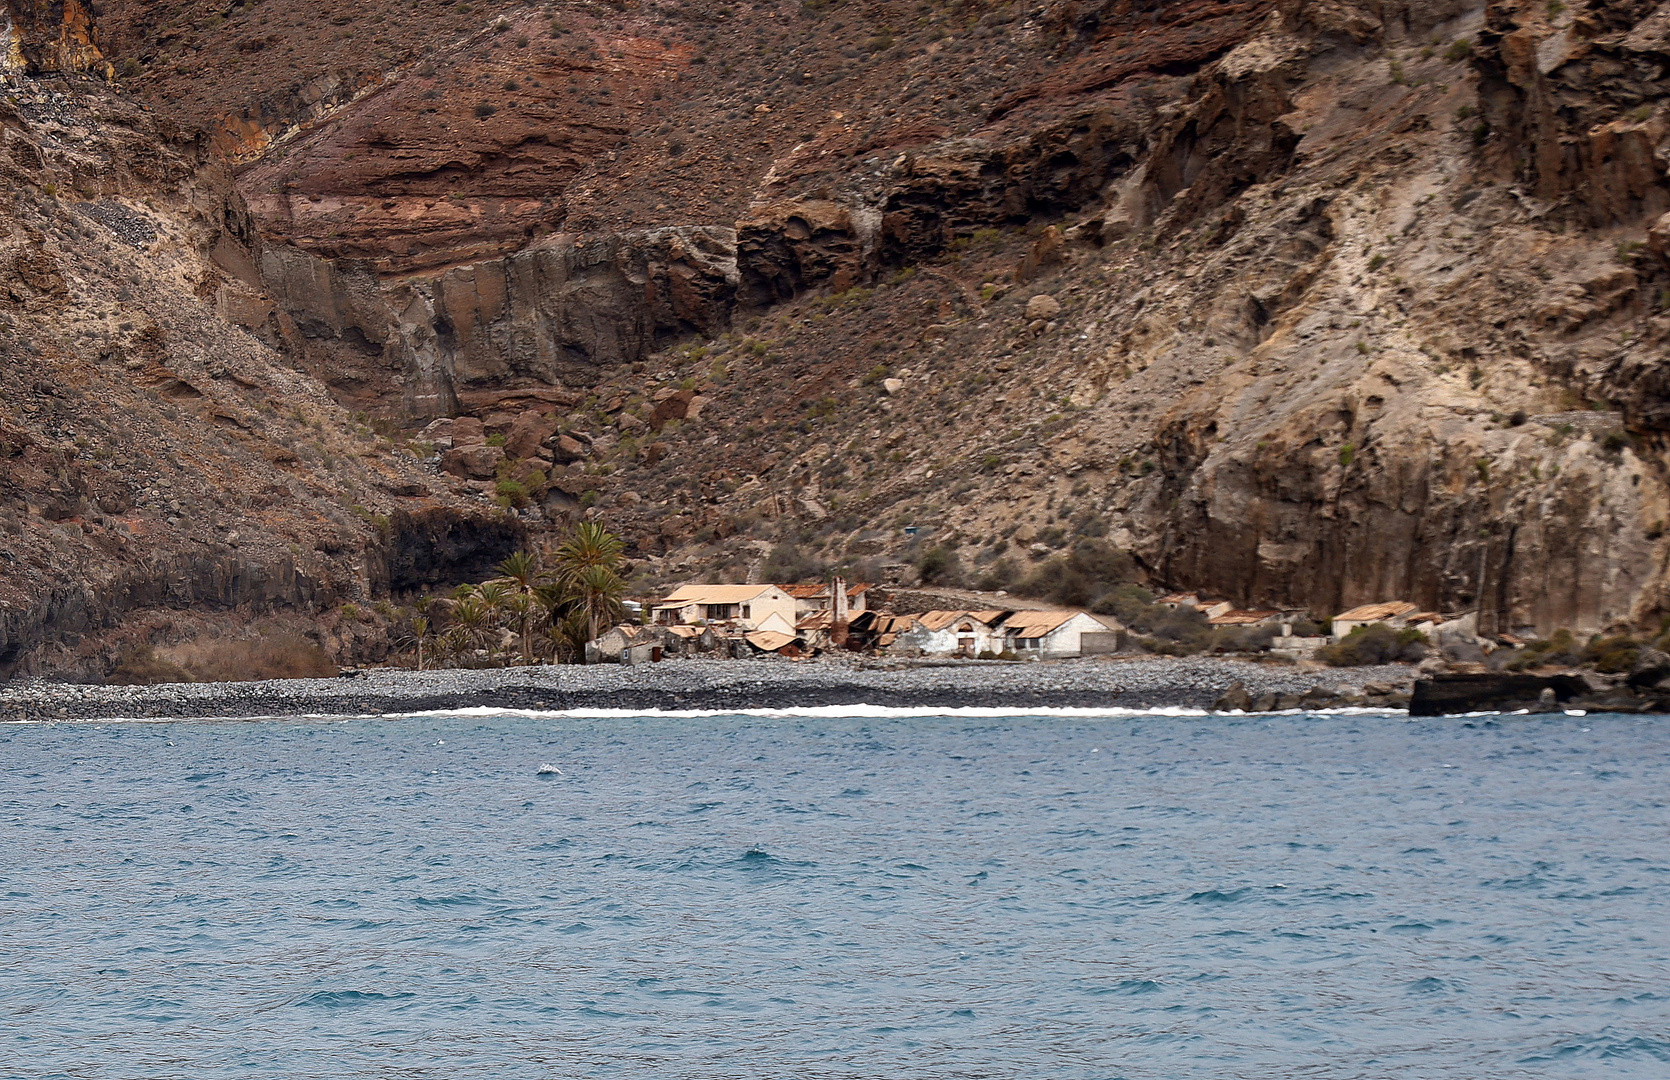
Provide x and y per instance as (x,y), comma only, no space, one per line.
(1308,303)
(156,462)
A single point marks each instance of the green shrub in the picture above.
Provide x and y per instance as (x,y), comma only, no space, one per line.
(1612,654)
(1375,643)
(1559,648)
(1081,577)
(940,566)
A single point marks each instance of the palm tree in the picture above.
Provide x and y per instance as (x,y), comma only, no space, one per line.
(587,569)
(522,573)
(568,637)
(472,623)
(420,633)
(589,545)
(599,592)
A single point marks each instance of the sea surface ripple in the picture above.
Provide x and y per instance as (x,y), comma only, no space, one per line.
(836,896)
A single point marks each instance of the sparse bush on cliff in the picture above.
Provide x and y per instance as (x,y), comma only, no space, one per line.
(788,564)
(1560,648)
(1080,578)
(940,566)
(1612,654)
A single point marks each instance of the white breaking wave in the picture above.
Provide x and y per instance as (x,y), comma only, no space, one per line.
(813,712)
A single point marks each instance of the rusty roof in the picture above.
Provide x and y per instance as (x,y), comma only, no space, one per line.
(814,589)
(1037,623)
(1375,612)
(939,620)
(1241,618)
(769,640)
(816,620)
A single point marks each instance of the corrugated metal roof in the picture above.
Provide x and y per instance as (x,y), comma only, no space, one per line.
(816,620)
(1037,623)
(769,640)
(805,592)
(1241,618)
(941,620)
(715,594)
(1374,612)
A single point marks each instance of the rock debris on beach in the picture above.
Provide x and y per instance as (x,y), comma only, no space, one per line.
(1158,682)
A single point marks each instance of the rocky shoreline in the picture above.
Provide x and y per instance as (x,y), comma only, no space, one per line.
(1154,682)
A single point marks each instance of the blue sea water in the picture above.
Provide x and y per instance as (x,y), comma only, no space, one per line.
(837,896)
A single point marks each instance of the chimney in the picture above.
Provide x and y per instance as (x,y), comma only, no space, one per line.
(838,611)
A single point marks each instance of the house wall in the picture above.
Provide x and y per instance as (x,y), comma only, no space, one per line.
(1065,640)
(771,602)
(944,642)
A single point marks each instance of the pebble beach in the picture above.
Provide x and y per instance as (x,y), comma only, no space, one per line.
(765,683)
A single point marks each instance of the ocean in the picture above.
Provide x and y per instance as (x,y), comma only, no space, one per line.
(837,893)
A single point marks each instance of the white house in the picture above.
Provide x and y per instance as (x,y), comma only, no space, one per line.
(746,607)
(1060,633)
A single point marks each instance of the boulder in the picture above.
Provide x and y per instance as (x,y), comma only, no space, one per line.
(565,449)
(1046,252)
(472,462)
(527,433)
(629,424)
(675,406)
(1041,307)
(468,431)
(892,386)
(1234,699)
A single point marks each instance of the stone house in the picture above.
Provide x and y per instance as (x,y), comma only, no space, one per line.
(953,633)
(743,607)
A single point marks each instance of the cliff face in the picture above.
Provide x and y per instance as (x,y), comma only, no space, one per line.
(156,462)
(1305,303)
(39,36)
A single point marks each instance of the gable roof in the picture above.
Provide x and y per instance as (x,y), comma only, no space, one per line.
(714,594)
(1037,623)
(1375,612)
(1241,618)
(939,620)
